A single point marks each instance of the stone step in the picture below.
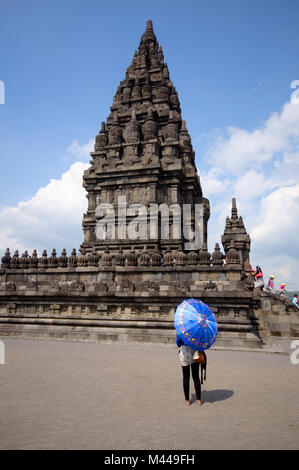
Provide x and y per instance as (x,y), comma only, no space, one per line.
(226,325)
(235,339)
(238,339)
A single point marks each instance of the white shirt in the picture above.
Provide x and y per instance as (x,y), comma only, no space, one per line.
(186,355)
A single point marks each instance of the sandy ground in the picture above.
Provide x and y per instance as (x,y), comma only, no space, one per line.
(64,395)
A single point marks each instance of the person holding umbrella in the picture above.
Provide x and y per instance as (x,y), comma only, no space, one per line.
(197,331)
(282,289)
(270,285)
(187,360)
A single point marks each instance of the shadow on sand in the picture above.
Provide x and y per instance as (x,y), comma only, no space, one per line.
(210,396)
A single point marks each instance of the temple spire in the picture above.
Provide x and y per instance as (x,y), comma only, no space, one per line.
(235,236)
(149,25)
(234,209)
(143,133)
(148,40)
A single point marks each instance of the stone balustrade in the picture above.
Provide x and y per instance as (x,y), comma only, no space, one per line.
(136,258)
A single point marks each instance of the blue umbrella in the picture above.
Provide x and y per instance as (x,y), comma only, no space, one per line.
(196,324)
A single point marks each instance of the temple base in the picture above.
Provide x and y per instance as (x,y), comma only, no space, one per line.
(137,304)
(234,336)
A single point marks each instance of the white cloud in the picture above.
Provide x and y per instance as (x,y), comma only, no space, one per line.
(212,182)
(79,152)
(51,218)
(241,149)
(260,169)
(252,184)
(280,225)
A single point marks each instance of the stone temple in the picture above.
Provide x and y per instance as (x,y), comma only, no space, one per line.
(123,288)
(143,152)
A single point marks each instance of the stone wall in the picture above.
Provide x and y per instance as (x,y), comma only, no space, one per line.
(113,302)
(277,317)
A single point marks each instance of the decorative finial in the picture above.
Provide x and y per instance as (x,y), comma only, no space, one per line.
(234,209)
(149,25)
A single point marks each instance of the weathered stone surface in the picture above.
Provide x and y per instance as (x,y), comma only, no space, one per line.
(143,151)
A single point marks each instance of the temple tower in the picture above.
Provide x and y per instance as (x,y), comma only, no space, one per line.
(143,152)
(235,239)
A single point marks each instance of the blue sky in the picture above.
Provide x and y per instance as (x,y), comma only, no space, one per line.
(232,63)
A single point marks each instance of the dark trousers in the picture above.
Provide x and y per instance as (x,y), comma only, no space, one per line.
(186,380)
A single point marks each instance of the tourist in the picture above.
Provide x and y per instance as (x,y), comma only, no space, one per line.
(270,285)
(282,290)
(186,354)
(295,301)
(259,278)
